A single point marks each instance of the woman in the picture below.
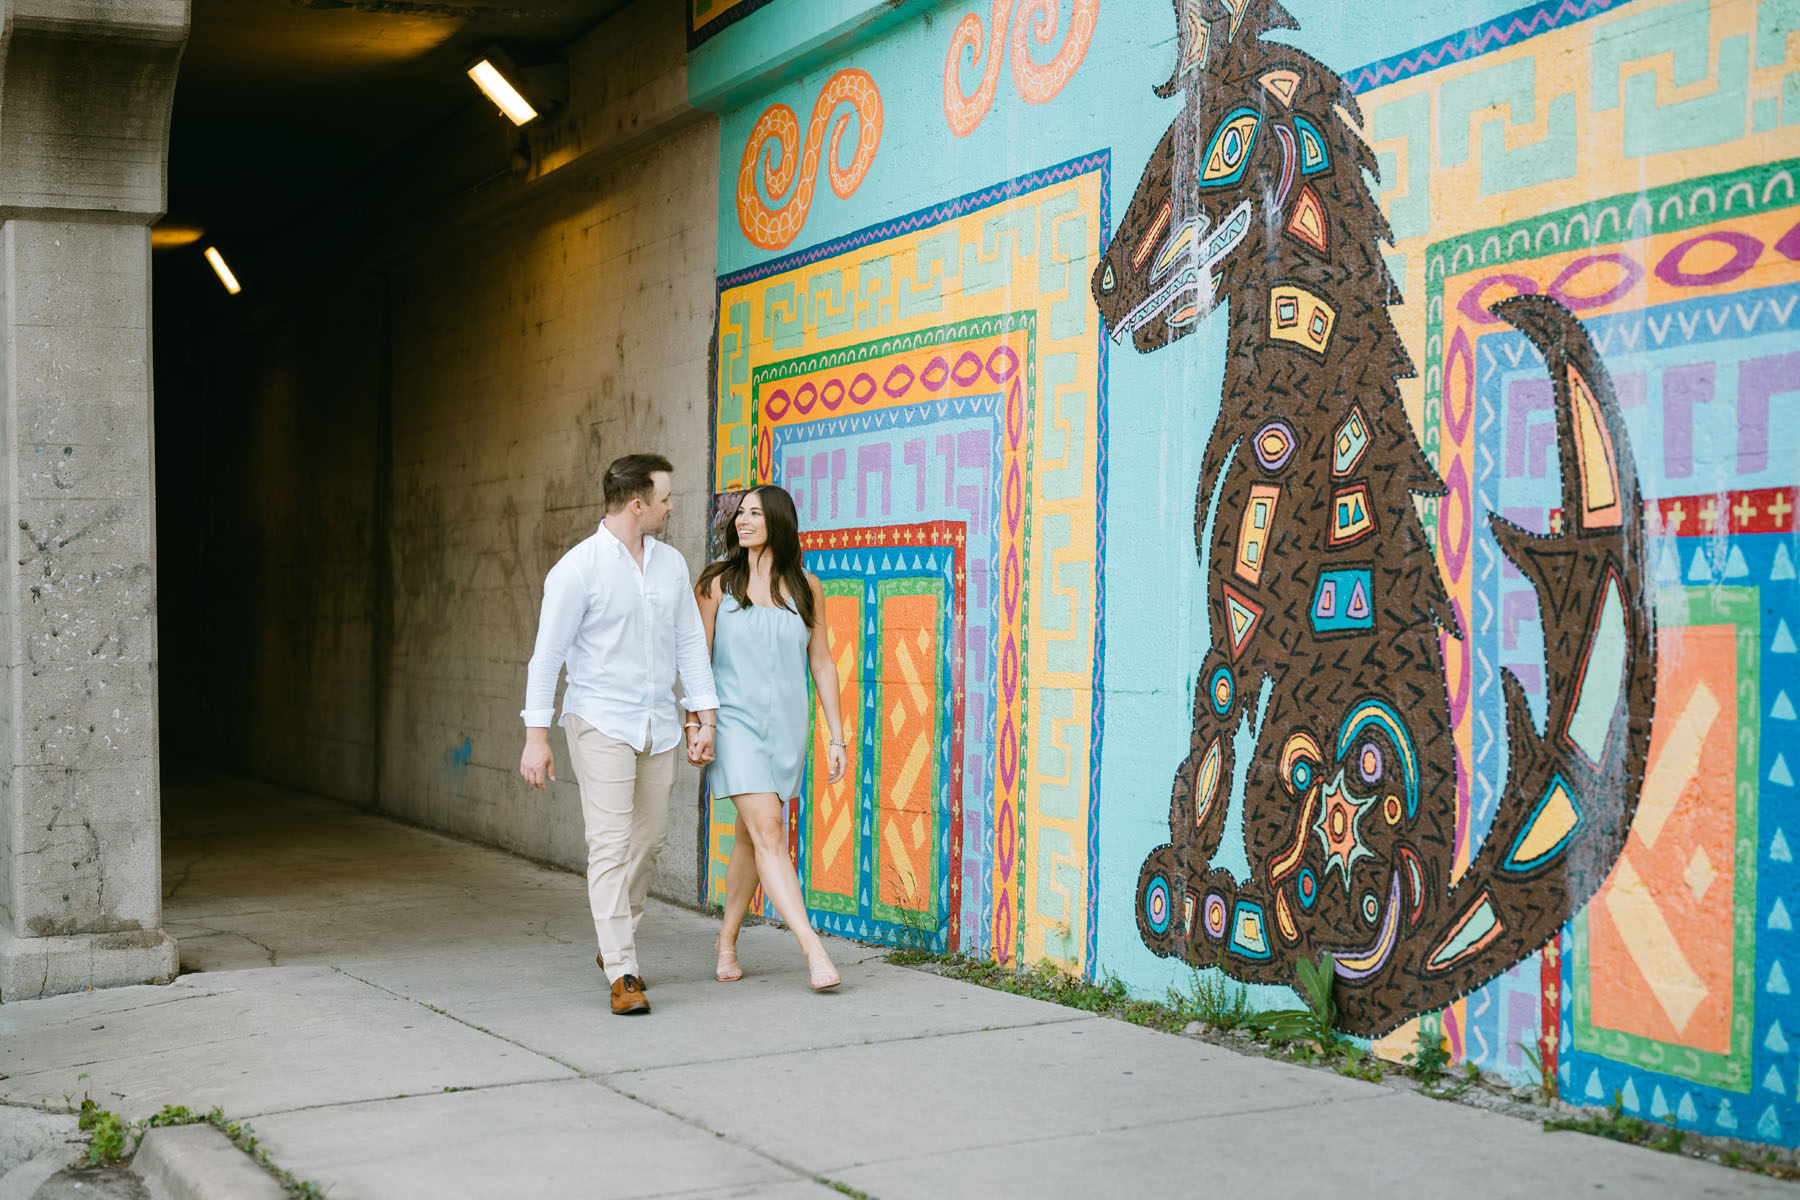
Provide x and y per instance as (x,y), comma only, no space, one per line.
(765,622)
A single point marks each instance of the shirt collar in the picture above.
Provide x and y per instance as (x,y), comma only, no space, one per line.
(611,541)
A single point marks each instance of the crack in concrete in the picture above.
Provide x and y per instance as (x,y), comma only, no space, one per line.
(887,1041)
(263,946)
(719,1134)
(187,870)
(156,1003)
(474,1087)
(1074,1018)
(466,1024)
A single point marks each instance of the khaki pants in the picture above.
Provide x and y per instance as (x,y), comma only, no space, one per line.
(625,808)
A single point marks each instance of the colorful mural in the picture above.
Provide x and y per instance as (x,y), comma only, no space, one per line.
(1485,675)
(928,390)
(1327,606)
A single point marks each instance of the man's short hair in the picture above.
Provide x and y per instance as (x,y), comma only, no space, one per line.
(628,479)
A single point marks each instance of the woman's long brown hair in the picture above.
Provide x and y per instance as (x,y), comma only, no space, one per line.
(787,570)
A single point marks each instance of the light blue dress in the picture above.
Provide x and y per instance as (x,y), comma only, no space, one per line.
(765,711)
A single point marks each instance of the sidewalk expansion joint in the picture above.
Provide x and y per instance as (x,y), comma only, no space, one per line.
(481,1029)
(1080,1018)
(325,1105)
(1154,1123)
(694,1123)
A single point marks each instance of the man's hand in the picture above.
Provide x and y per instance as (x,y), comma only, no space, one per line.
(537,764)
(700,745)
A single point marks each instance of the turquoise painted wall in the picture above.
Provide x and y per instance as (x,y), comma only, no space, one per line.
(1023,700)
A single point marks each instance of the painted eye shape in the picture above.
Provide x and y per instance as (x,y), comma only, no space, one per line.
(1313,156)
(1107,283)
(1229,151)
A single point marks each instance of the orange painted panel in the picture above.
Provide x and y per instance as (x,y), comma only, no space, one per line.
(1660,928)
(904,829)
(832,843)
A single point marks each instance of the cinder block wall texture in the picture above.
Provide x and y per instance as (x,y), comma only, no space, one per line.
(525,359)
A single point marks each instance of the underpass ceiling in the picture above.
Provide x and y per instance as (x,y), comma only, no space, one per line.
(279,101)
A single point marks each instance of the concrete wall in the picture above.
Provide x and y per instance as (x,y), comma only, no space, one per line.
(1168,606)
(84,118)
(544,347)
(405,427)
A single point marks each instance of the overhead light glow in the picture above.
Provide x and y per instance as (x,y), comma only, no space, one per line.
(166,236)
(494,85)
(224,272)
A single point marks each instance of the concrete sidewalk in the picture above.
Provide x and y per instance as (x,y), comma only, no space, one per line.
(399,1014)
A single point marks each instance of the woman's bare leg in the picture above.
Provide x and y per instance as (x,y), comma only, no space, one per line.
(760,813)
(740,885)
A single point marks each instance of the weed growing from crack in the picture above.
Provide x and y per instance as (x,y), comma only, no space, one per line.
(112,1140)
(1545,1087)
(109,1138)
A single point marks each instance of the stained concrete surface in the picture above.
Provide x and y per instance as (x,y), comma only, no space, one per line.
(401,1014)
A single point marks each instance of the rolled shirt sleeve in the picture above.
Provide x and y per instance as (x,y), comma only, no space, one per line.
(565,603)
(692,662)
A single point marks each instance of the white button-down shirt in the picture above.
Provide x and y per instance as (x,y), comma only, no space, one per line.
(625,633)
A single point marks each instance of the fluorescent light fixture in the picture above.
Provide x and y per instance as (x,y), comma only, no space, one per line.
(165,235)
(224,272)
(493,84)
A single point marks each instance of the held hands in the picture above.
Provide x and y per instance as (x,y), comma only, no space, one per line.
(700,745)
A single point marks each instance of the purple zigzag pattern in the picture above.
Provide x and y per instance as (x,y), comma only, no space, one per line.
(1477,40)
(914,221)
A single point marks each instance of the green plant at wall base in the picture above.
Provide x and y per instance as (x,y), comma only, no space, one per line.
(1317,1022)
(1044,981)
(1359,1063)
(1430,1054)
(1544,1085)
(1617,1125)
(1217,1000)
(919,929)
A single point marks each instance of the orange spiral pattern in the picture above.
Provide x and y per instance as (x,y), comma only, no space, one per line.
(771,229)
(1038,83)
(964,113)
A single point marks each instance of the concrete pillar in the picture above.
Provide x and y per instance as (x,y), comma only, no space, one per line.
(85,93)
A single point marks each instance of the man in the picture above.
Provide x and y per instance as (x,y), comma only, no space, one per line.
(619,610)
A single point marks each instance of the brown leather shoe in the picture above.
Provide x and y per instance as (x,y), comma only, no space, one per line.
(600,961)
(628,997)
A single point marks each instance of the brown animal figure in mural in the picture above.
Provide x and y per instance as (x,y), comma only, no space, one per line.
(1325,603)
